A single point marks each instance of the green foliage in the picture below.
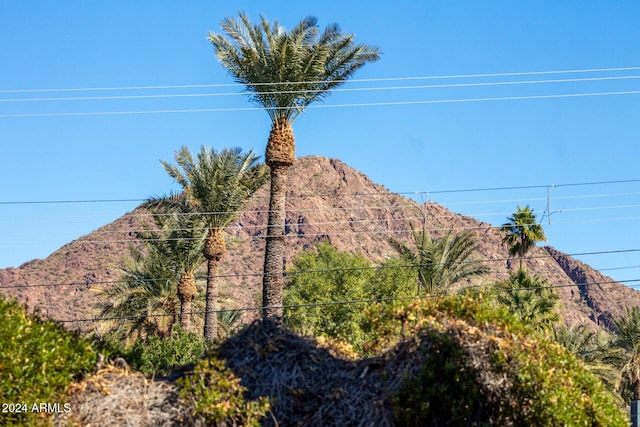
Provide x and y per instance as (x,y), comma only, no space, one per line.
(328,275)
(522,232)
(38,362)
(627,330)
(229,322)
(595,349)
(627,343)
(160,356)
(216,184)
(445,390)
(217,396)
(303,64)
(392,279)
(347,282)
(145,301)
(475,352)
(441,262)
(530,298)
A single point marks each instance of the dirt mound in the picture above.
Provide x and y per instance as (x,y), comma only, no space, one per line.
(119,397)
(305,384)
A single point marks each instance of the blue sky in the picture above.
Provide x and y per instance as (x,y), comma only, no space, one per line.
(407,148)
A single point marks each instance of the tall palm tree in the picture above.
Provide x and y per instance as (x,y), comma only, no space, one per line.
(284,72)
(522,232)
(441,262)
(216,186)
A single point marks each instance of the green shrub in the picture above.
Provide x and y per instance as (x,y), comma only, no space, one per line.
(38,361)
(479,365)
(324,275)
(160,356)
(446,390)
(216,395)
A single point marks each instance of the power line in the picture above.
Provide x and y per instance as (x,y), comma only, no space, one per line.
(328,303)
(295,235)
(351,222)
(401,193)
(382,79)
(350,105)
(324,270)
(301,235)
(364,89)
(51,202)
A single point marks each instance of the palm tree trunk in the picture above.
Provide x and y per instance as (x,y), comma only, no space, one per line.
(186,292)
(185,316)
(279,156)
(214,250)
(273,279)
(210,316)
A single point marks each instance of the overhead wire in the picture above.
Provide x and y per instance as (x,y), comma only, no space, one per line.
(368,80)
(351,222)
(357,194)
(323,106)
(303,91)
(294,272)
(328,303)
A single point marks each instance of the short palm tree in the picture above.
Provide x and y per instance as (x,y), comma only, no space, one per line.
(522,232)
(627,339)
(216,186)
(530,299)
(179,237)
(441,262)
(594,350)
(284,72)
(144,302)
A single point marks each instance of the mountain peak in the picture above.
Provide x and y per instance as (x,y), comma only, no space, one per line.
(326,200)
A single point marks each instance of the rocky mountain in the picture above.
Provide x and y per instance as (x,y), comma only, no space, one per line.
(326,200)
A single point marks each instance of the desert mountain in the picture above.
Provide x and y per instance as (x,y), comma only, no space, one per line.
(326,199)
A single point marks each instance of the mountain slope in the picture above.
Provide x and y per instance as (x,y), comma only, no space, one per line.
(326,200)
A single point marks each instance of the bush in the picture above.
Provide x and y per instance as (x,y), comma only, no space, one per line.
(38,362)
(160,356)
(216,395)
(155,356)
(327,275)
(479,365)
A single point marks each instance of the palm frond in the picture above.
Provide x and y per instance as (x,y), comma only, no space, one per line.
(302,64)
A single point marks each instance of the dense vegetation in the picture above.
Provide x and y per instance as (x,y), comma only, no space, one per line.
(457,359)
(328,291)
(38,362)
(215,394)
(482,366)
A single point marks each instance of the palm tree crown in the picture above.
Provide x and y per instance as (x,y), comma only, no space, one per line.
(522,232)
(441,262)
(216,184)
(530,298)
(144,302)
(285,71)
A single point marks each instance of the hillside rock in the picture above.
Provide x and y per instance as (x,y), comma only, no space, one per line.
(326,199)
